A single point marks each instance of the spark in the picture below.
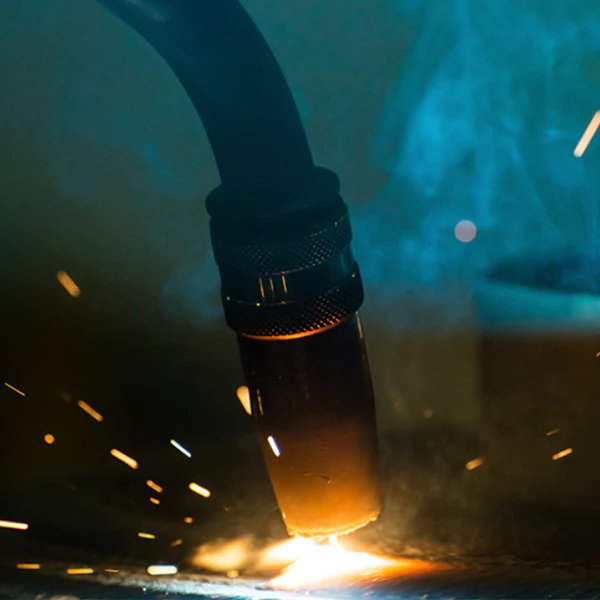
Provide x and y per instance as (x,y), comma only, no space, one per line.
(14,525)
(111,570)
(587,136)
(181,448)
(68,284)
(49,438)
(162,570)
(473,464)
(562,453)
(189,520)
(202,491)
(147,536)
(597,354)
(29,566)
(176,543)
(243,394)
(274,446)
(130,462)
(14,389)
(552,432)
(90,411)
(82,571)
(154,500)
(154,486)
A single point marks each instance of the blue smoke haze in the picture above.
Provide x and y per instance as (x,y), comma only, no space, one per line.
(480,124)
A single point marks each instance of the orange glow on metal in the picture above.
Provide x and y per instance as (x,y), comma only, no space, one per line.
(154,500)
(130,462)
(29,566)
(329,565)
(154,486)
(90,411)
(274,446)
(49,438)
(473,464)
(188,520)
(14,389)
(588,134)
(162,570)
(68,284)
(243,394)
(14,525)
(147,536)
(562,453)
(82,571)
(198,489)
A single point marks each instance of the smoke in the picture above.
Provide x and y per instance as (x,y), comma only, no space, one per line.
(481,125)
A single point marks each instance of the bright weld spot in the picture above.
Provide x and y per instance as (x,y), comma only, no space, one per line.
(84,571)
(154,486)
(587,136)
(14,389)
(202,491)
(154,500)
(29,566)
(473,464)
(274,446)
(465,231)
(188,520)
(90,411)
(14,525)
(552,432)
(562,453)
(147,536)
(68,284)
(130,462)
(49,438)
(162,570)
(176,543)
(111,570)
(181,448)
(243,394)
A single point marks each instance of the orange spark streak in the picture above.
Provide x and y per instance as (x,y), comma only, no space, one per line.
(111,570)
(202,491)
(68,284)
(243,395)
(130,462)
(562,453)
(49,438)
(154,486)
(162,570)
(588,134)
(90,411)
(552,432)
(154,500)
(29,566)
(14,525)
(147,536)
(473,464)
(82,571)
(14,389)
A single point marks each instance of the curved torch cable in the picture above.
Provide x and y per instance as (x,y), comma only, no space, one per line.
(291,288)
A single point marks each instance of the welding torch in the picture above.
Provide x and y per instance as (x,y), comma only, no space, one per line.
(291,288)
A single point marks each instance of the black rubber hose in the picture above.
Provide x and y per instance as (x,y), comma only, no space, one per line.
(238,90)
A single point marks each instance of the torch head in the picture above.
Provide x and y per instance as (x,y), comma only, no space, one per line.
(291,290)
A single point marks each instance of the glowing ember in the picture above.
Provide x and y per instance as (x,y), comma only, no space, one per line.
(49,438)
(111,570)
(29,566)
(330,565)
(14,389)
(181,449)
(176,543)
(90,411)
(198,489)
(147,536)
(130,462)
(154,500)
(154,486)
(188,520)
(14,525)
(162,570)
(473,464)
(68,284)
